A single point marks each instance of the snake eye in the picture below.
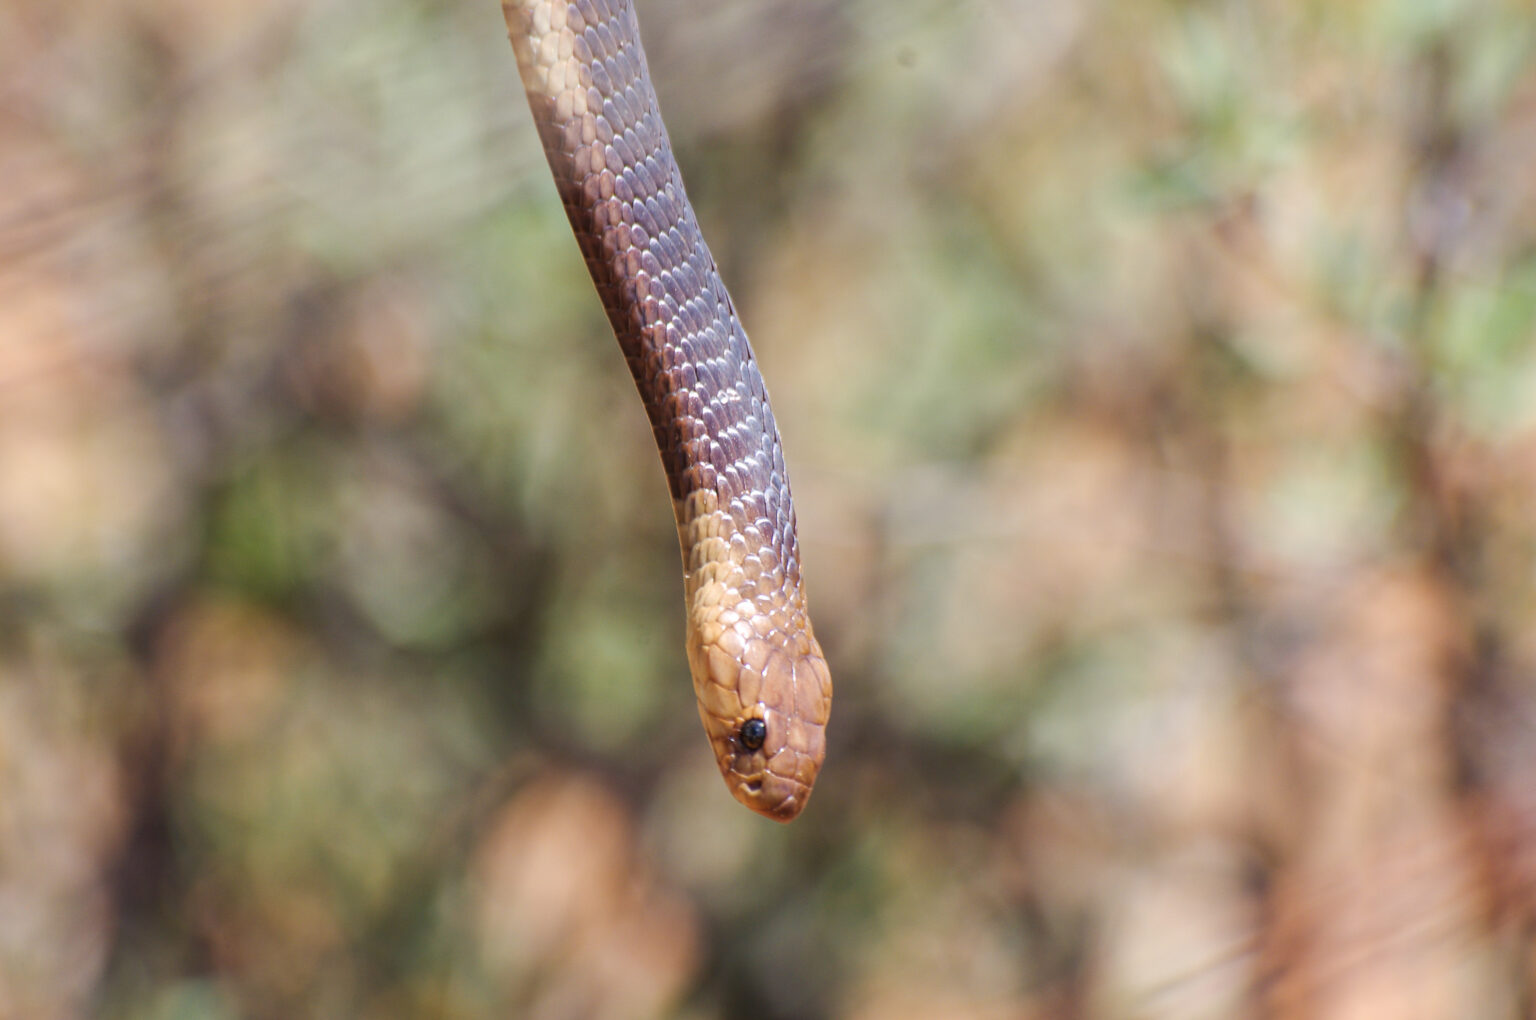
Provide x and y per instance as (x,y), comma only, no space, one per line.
(753,733)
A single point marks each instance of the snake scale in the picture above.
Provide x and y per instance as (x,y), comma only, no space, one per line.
(762,683)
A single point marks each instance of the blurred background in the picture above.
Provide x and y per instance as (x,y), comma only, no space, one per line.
(1158,381)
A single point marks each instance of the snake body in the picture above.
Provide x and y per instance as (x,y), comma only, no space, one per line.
(763,688)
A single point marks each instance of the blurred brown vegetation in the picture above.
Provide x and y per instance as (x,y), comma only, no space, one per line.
(1159,386)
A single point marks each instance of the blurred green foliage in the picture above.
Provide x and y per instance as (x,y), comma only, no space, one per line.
(1158,382)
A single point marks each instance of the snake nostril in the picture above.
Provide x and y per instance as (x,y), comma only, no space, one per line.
(754,786)
(753,733)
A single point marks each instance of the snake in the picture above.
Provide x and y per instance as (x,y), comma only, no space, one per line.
(762,683)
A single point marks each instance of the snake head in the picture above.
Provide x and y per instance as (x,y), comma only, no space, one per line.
(764,702)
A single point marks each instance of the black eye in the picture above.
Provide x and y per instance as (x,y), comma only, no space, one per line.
(753,733)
